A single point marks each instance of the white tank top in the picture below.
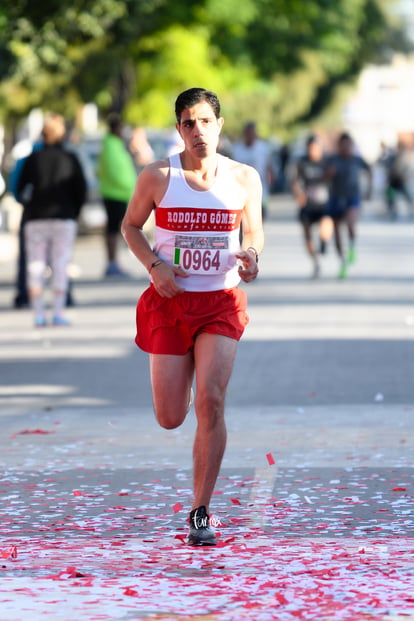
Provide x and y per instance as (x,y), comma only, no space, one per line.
(199,230)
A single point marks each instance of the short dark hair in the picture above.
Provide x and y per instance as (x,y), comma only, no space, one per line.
(311,139)
(193,96)
(345,136)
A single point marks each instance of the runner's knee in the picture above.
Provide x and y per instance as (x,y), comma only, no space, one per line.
(209,408)
(170,417)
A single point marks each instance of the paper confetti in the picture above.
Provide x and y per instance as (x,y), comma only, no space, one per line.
(33,431)
(244,576)
(11,553)
(310,543)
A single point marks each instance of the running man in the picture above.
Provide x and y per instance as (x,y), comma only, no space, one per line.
(193,314)
(344,171)
(311,190)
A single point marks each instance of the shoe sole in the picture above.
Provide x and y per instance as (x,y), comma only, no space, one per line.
(198,542)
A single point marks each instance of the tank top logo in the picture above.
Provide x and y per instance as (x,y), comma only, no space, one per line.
(193,219)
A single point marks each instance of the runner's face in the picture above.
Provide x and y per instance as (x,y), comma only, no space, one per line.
(345,147)
(200,129)
(315,151)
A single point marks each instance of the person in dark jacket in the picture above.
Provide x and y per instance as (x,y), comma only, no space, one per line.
(54,189)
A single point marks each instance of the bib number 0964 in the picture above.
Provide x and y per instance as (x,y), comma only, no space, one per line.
(200,260)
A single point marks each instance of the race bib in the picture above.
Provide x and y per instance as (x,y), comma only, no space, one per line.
(202,255)
(318,194)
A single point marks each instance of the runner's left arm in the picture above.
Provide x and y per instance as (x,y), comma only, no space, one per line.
(368,170)
(252,225)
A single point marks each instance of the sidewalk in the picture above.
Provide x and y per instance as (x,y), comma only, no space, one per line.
(314,504)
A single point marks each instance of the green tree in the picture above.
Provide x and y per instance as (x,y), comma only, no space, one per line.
(281,59)
(46,44)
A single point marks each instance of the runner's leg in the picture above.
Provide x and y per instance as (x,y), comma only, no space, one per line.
(338,238)
(351,218)
(339,247)
(307,233)
(171,380)
(214,358)
(326,228)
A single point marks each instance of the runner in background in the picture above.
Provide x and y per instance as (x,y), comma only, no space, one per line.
(344,171)
(311,190)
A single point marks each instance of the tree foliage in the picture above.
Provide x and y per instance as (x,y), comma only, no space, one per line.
(277,60)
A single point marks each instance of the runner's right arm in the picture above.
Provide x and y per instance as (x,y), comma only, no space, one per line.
(149,189)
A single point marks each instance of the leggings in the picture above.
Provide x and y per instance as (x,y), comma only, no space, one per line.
(49,242)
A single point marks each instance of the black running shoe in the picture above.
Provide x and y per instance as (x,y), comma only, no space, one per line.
(201,533)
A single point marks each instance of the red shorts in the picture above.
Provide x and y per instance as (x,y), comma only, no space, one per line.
(171,325)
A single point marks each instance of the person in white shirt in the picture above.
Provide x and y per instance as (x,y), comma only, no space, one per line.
(256,152)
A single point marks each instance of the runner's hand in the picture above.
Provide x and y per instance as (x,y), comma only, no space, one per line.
(163,277)
(249,270)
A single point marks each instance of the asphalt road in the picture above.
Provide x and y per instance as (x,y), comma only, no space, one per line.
(320,411)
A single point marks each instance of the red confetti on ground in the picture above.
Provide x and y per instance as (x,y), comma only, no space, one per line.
(10,553)
(69,572)
(248,576)
(288,557)
(33,431)
(131,592)
(270,459)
